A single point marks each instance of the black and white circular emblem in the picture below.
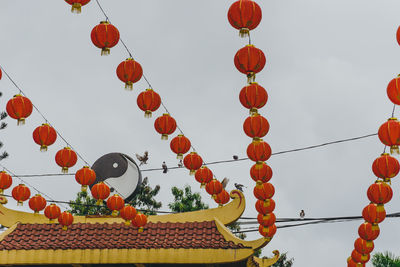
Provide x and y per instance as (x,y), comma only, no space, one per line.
(120,172)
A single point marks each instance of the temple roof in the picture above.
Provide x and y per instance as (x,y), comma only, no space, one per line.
(117,235)
(199,237)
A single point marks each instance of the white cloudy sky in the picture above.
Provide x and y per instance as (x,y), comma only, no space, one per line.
(328,64)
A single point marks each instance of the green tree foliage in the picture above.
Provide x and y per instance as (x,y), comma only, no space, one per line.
(284,261)
(3,125)
(185,200)
(386,259)
(144,200)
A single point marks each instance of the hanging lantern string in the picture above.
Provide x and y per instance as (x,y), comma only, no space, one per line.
(144,76)
(28,184)
(44,118)
(229,160)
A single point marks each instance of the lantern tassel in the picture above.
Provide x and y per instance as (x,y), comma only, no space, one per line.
(147,114)
(140,230)
(99,202)
(20,203)
(127,222)
(129,86)
(251,77)
(394,149)
(64,170)
(1,191)
(84,188)
(253,111)
(65,228)
(179,156)
(76,8)
(164,137)
(105,51)
(114,213)
(244,32)
(192,172)
(21,121)
(43,148)
(202,185)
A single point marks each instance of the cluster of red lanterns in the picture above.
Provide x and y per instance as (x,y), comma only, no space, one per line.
(245,15)
(379,193)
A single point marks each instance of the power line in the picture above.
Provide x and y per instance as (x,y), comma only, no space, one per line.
(230,160)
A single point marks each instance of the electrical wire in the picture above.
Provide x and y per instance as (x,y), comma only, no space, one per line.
(230,160)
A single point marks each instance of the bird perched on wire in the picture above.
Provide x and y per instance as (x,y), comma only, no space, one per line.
(235,157)
(224,182)
(165,167)
(180,164)
(302,214)
(143,159)
(239,187)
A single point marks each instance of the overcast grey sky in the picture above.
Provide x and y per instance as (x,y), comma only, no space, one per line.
(328,65)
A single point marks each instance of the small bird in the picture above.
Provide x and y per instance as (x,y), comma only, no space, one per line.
(180,164)
(239,187)
(143,159)
(224,182)
(302,214)
(165,167)
(235,157)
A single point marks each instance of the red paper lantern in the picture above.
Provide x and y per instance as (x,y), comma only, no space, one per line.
(100,192)
(105,36)
(249,60)
(389,134)
(66,158)
(203,175)
(265,206)
(352,263)
(368,231)
(128,213)
(253,97)
(266,220)
(85,176)
(380,193)
(44,136)
(37,203)
(214,187)
(359,258)
(52,212)
(374,213)
(192,162)
(363,246)
(261,172)
(393,90)
(180,145)
(115,203)
(129,71)
(165,125)
(21,193)
(398,35)
(65,219)
(244,15)
(77,5)
(19,107)
(256,126)
(139,221)
(5,181)
(222,198)
(268,232)
(259,150)
(264,191)
(148,101)
(385,166)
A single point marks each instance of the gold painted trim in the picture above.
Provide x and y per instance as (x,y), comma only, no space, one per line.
(226,214)
(266,262)
(120,256)
(255,244)
(8,231)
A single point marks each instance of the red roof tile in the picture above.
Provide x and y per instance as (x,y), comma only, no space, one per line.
(116,236)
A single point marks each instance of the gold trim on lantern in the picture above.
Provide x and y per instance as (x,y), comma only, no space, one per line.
(105,51)
(129,86)
(43,148)
(76,8)
(64,170)
(251,77)
(244,32)
(147,114)
(21,121)
(164,137)
(84,187)
(394,149)
(114,213)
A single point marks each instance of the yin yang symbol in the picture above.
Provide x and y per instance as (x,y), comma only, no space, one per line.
(120,172)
